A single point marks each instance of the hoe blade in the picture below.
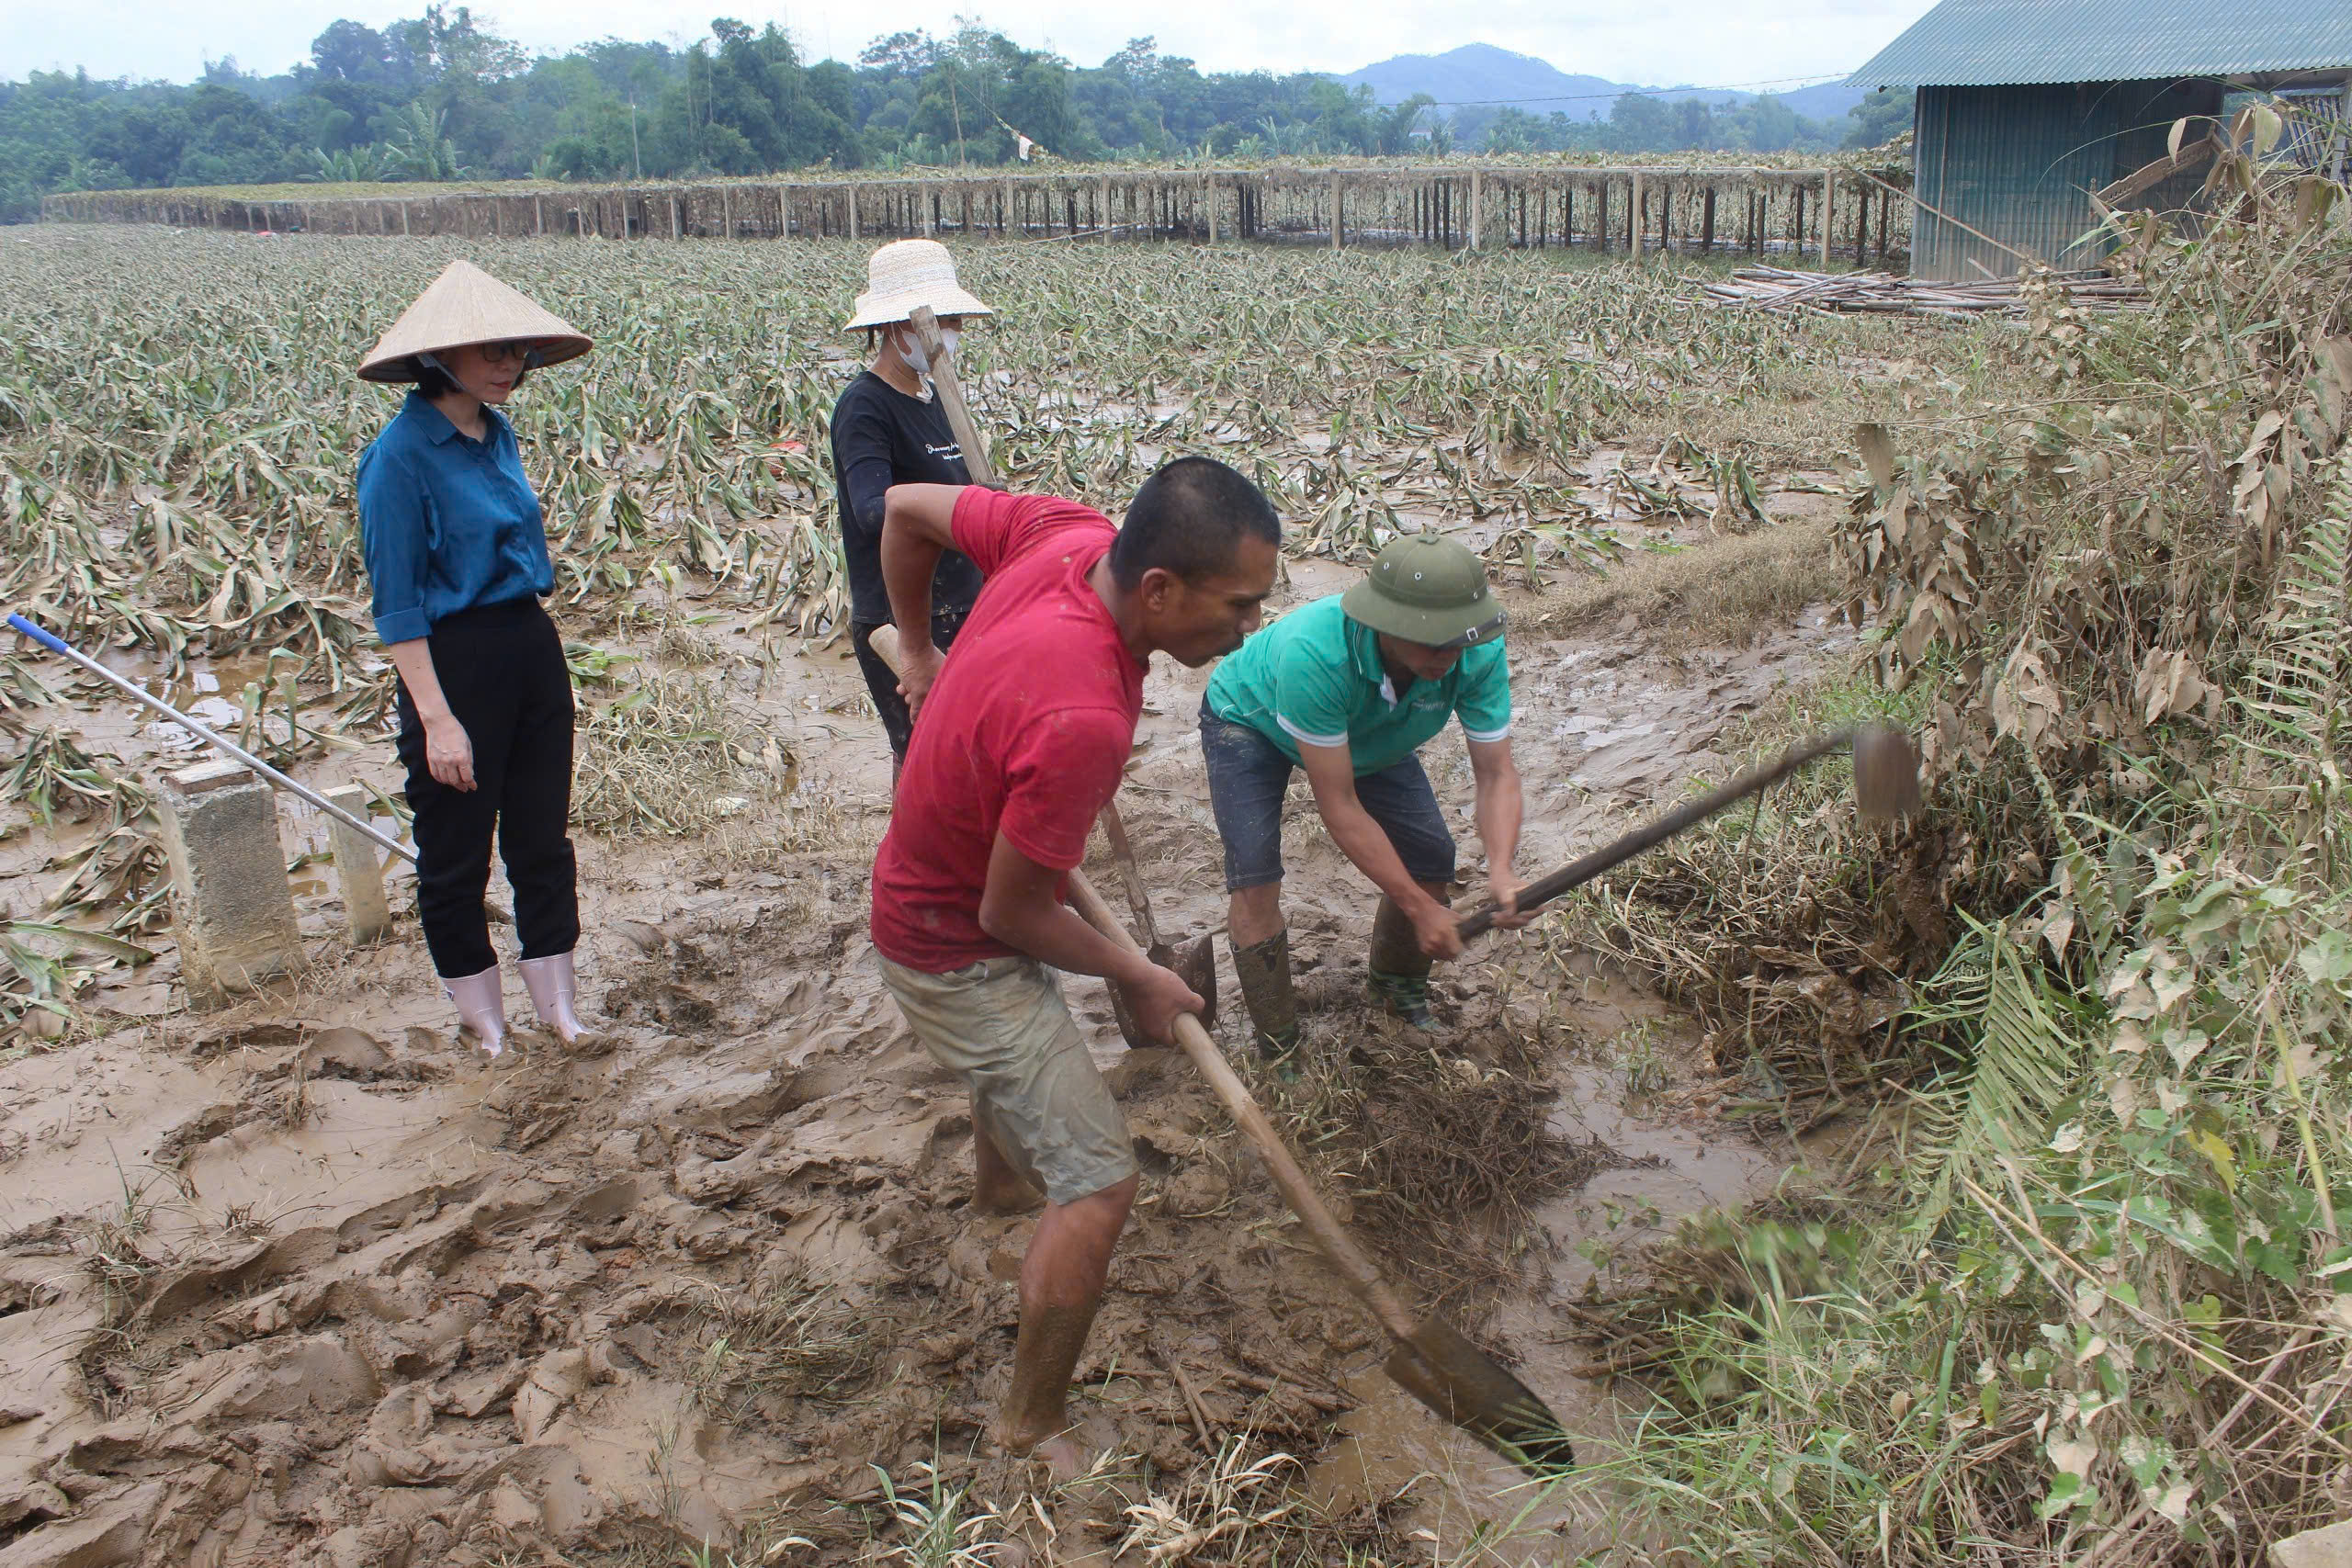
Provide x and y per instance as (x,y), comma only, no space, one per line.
(1886,772)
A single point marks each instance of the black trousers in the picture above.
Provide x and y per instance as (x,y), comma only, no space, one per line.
(501,667)
(883,686)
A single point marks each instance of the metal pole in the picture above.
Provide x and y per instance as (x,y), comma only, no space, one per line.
(56,645)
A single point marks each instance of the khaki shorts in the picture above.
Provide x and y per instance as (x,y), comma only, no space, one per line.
(1002,1027)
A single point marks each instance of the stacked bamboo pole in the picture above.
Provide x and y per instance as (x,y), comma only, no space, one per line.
(1815,213)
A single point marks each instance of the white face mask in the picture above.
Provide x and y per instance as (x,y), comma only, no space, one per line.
(911,347)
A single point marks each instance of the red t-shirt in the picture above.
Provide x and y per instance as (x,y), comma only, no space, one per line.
(1025,733)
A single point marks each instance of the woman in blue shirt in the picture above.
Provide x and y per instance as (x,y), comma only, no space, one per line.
(457,558)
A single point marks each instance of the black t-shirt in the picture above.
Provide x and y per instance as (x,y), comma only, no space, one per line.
(882,437)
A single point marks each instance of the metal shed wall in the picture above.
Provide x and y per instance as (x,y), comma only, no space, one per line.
(2019,163)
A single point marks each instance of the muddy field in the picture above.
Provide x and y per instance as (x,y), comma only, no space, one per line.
(309,1281)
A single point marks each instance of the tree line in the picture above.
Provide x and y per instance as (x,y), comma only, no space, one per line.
(442,96)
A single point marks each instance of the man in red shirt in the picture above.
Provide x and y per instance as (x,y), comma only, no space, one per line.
(1020,741)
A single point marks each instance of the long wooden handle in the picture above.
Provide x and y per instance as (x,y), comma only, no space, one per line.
(951,397)
(1355,1269)
(1610,855)
(1115,828)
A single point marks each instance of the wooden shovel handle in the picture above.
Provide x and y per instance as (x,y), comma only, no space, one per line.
(1115,828)
(1355,1269)
(951,398)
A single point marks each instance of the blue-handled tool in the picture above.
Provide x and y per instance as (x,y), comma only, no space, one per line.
(57,644)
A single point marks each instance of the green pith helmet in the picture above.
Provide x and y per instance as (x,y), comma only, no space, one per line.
(1427,589)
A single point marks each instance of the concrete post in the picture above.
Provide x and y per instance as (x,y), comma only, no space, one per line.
(1828,215)
(233,912)
(1641,218)
(1338,213)
(1209,188)
(1477,204)
(851,192)
(929,217)
(358,870)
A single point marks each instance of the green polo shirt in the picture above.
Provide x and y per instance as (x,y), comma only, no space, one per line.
(1316,676)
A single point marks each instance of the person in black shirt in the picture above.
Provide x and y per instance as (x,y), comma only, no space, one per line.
(889,429)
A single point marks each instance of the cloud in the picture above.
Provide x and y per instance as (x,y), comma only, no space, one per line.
(1669,42)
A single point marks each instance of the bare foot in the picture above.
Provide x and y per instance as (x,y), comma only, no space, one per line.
(1064,1457)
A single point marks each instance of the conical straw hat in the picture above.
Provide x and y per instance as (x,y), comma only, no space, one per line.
(908,273)
(466,305)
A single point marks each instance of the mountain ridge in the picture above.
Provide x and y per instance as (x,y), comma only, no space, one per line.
(1484,74)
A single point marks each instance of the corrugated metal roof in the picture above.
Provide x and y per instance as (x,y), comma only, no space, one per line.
(1986,44)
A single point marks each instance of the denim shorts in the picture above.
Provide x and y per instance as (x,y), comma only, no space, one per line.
(1002,1027)
(1249,775)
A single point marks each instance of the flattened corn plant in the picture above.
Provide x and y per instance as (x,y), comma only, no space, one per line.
(179,420)
(179,423)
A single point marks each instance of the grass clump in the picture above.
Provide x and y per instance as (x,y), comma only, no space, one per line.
(797,1335)
(1723,592)
(1441,1159)
(672,758)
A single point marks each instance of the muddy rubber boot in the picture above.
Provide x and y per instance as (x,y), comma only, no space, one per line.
(1263,970)
(1399,973)
(481,1007)
(553,984)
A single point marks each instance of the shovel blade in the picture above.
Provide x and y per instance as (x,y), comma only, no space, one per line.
(1461,1384)
(1195,964)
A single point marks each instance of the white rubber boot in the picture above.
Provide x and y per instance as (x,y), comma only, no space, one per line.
(481,1007)
(553,984)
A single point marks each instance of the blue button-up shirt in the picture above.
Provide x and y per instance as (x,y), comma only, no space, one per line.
(446,523)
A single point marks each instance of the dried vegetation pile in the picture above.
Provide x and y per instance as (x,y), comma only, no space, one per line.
(2087,1310)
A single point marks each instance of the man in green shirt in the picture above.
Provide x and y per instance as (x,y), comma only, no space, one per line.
(1348,688)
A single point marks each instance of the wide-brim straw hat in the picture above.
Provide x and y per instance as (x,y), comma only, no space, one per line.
(466,305)
(908,273)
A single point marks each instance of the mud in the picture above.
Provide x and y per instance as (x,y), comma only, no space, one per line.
(306,1282)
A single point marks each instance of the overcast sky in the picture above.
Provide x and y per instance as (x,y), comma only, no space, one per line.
(1666,42)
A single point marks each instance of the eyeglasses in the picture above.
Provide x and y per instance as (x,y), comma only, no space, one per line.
(500,353)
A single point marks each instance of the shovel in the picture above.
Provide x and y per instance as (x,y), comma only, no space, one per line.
(1886,787)
(1196,960)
